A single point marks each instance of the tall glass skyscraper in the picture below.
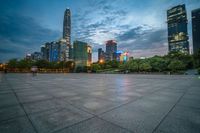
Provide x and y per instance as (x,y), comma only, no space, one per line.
(54,52)
(111,49)
(196,30)
(177,29)
(67,26)
(82,53)
(67,34)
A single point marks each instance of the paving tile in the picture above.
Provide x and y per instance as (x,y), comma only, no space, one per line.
(8,100)
(66,102)
(190,114)
(64,94)
(11,112)
(94,125)
(140,116)
(192,97)
(16,125)
(44,105)
(181,120)
(190,103)
(55,119)
(176,125)
(5,91)
(28,93)
(112,95)
(93,105)
(162,97)
(34,98)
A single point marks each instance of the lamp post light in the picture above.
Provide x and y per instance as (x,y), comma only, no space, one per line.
(101,61)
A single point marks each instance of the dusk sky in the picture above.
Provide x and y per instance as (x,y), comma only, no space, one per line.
(138,26)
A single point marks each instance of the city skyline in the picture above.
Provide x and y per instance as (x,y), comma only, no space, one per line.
(134,29)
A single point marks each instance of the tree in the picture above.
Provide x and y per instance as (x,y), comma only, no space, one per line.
(133,66)
(145,66)
(95,67)
(70,65)
(176,65)
(158,63)
(196,58)
(199,70)
(123,66)
(12,63)
(107,66)
(85,68)
(41,63)
(185,58)
(79,69)
(24,64)
(114,64)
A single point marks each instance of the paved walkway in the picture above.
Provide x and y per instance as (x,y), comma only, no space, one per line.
(98,103)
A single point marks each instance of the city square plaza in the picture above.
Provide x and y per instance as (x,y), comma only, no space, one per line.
(99,103)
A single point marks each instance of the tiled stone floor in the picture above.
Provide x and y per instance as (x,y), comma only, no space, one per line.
(99,103)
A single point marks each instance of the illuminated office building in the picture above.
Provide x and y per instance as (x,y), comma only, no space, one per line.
(82,54)
(101,55)
(111,49)
(67,27)
(177,29)
(196,30)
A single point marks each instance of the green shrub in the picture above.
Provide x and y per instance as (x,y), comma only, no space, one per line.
(176,65)
(199,70)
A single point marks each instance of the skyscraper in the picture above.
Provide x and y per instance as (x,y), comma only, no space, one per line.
(64,50)
(67,27)
(82,53)
(177,29)
(45,51)
(111,49)
(89,55)
(54,52)
(196,30)
(42,50)
(101,55)
(36,56)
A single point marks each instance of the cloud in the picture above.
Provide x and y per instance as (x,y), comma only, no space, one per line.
(132,31)
(20,34)
(143,38)
(149,52)
(98,22)
(7,51)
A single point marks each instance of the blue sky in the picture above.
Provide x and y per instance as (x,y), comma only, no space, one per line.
(139,26)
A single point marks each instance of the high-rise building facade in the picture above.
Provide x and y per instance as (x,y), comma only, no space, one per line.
(45,51)
(36,56)
(196,30)
(64,50)
(89,55)
(67,27)
(177,29)
(82,54)
(101,55)
(67,33)
(111,49)
(54,52)
(42,50)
